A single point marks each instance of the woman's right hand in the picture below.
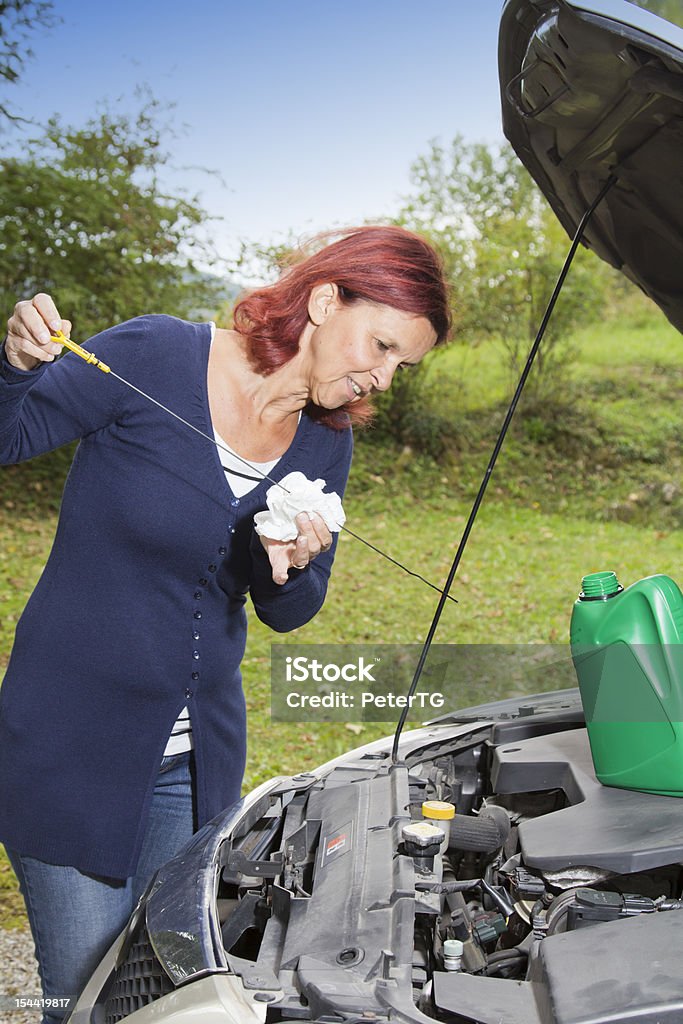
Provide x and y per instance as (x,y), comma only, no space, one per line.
(28,332)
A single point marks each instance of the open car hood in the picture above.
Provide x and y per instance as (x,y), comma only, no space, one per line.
(594,88)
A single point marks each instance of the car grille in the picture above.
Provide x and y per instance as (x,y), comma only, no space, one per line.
(139,981)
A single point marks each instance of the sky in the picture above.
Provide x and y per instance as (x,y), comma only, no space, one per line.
(310,114)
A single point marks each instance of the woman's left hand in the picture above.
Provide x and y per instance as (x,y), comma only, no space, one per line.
(313,537)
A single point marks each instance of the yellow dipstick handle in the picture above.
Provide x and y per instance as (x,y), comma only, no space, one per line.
(60,338)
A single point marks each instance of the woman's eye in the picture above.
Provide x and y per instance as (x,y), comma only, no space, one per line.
(381,345)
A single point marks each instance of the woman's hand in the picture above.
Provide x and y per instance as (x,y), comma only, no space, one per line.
(28,333)
(284,555)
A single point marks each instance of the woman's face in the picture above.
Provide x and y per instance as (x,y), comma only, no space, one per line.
(356,349)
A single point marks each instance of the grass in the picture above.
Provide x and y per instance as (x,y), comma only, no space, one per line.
(605,444)
(588,489)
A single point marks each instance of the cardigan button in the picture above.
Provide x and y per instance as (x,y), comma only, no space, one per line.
(203,581)
(197,595)
(196,615)
(234,502)
(222,550)
(195,634)
(195,676)
(189,693)
(195,655)
(212,567)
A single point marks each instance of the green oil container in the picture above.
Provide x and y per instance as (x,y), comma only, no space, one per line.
(627,647)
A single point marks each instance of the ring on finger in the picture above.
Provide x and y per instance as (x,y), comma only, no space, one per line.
(299,566)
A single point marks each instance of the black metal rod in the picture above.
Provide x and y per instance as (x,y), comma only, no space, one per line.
(494,456)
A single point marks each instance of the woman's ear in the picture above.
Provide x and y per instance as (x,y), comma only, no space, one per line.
(324,298)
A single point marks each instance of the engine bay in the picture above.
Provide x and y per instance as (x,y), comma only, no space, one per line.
(333,907)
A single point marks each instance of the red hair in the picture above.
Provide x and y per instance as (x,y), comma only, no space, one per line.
(383,264)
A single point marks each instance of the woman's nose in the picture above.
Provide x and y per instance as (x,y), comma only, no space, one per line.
(382,377)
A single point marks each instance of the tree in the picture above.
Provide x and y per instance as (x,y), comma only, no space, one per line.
(18,18)
(503,248)
(83,215)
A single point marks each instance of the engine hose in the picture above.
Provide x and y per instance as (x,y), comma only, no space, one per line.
(441,888)
(497,894)
(503,955)
(484,833)
(504,958)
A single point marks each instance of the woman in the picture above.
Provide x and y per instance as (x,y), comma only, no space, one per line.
(135,631)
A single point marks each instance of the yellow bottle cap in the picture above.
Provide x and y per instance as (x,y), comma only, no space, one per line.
(439,809)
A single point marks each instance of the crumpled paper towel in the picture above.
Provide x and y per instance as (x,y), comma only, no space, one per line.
(297,494)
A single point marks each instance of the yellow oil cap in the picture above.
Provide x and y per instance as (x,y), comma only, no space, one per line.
(438,810)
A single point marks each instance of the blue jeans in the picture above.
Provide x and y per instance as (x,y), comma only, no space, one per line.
(75,917)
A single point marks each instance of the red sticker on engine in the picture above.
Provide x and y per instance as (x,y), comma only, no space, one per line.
(336,843)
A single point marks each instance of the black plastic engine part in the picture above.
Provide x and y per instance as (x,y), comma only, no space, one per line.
(591,905)
(616,829)
(526,886)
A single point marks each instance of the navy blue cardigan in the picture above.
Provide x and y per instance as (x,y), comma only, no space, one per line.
(140,608)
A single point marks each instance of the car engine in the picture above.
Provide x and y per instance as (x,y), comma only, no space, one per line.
(329,897)
(338,908)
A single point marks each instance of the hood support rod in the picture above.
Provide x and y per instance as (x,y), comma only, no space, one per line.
(494,455)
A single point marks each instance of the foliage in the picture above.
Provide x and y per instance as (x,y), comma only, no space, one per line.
(83,216)
(503,249)
(411,413)
(265,262)
(254,265)
(397,409)
(18,18)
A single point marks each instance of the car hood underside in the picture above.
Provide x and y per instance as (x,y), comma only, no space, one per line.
(586,97)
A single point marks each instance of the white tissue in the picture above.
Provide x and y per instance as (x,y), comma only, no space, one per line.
(297,494)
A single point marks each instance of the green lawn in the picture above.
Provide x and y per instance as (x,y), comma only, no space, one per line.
(586,491)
